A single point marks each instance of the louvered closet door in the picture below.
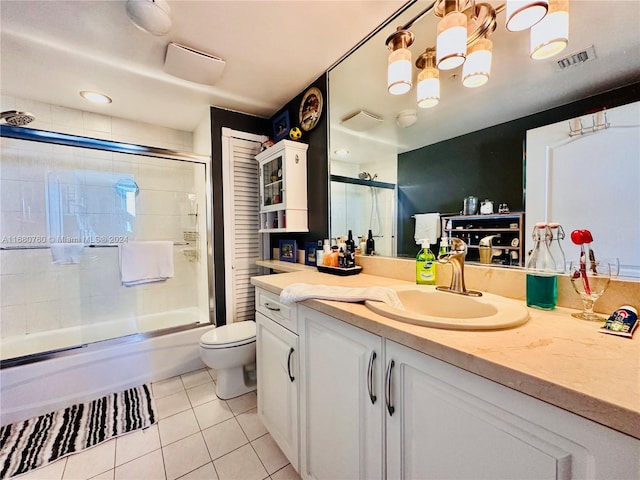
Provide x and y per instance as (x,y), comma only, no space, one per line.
(243,241)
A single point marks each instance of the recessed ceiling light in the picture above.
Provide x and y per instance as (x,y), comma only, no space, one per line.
(95,97)
(341,152)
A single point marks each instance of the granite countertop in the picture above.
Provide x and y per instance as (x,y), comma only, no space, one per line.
(553,357)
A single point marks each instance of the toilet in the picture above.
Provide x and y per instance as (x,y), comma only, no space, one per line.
(231,351)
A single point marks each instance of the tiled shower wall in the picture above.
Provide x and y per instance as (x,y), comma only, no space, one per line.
(37,295)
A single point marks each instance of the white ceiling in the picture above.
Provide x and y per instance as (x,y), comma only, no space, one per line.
(52,49)
(518,85)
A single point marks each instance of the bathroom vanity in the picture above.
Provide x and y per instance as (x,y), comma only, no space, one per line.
(378,398)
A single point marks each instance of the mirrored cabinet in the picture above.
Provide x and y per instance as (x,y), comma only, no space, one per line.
(283,187)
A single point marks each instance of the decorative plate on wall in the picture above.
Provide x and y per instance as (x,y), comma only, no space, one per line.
(310,109)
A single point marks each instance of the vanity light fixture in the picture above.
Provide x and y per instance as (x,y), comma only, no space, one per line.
(551,35)
(399,66)
(95,97)
(428,79)
(463,39)
(522,15)
(477,67)
(451,42)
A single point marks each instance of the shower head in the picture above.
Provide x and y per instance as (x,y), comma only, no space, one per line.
(15,118)
(364,176)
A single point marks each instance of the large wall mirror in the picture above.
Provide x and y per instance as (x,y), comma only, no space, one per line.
(390,159)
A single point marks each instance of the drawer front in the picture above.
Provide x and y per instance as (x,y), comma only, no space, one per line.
(269,305)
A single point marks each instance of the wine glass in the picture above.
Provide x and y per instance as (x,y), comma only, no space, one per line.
(589,279)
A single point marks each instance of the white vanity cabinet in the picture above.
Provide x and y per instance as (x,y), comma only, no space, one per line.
(283,187)
(451,424)
(277,370)
(432,420)
(341,399)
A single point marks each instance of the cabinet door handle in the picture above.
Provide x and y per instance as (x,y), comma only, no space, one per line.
(390,408)
(370,378)
(291,377)
(271,307)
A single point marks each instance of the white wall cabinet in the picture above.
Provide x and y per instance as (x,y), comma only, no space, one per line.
(283,187)
(341,397)
(278,373)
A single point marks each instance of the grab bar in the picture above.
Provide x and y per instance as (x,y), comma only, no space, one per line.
(92,245)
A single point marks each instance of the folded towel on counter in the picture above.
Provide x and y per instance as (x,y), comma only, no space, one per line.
(145,262)
(427,226)
(66,253)
(303,291)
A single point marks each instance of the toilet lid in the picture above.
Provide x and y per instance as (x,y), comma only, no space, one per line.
(231,334)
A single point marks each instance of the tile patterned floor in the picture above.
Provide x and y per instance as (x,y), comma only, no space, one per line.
(197,437)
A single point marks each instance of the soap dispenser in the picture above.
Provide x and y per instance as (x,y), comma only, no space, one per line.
(425,265)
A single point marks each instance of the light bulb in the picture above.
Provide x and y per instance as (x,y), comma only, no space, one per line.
(525,14)
(451,44)
(551,35)
(477,67)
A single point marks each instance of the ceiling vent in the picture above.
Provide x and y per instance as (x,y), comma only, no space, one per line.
(577,58)
(193,65)
(361,121)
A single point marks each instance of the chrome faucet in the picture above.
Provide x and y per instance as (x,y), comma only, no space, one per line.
(455,257)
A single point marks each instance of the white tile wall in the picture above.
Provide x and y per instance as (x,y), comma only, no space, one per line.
(36,295)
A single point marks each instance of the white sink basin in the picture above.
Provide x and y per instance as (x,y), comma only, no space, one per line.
(426,306)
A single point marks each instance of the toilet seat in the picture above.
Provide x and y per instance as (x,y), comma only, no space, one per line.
(229,336)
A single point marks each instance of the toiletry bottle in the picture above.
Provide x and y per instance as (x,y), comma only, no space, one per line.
(350,251)
(371,245)
(557,234)
(341,258)
(363,245)
(319,254)
(445,246)
(425,265)
(542,287)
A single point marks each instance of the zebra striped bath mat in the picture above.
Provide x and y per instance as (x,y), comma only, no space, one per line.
(36,442)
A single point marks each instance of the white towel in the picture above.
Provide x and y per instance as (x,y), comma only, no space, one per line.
(145,262)
(303,291)
(427,226)
(66,253)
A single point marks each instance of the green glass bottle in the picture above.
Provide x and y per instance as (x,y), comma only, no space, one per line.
(425,265)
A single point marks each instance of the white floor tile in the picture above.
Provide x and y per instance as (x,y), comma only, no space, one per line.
(202,394)
(108,475)
(178,426)
(53,471)
(91,462)
(212,413)
(185,456)
(243,403)
(172,404)
(213,373)
(206,472)
(137,444)
(167,387)
(224,437)
(251,424)
(193,379)
(286,473)
(269,453)
(241,464)
(148,467)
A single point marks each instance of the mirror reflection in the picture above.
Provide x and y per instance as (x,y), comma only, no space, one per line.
(436,157)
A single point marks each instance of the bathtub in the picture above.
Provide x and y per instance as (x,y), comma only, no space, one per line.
(96,369)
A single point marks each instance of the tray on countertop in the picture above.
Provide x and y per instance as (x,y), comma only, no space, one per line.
(339,270)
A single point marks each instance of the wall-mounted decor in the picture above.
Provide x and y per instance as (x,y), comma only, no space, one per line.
(288,251)
(310,253)
(281,126)
(310,109)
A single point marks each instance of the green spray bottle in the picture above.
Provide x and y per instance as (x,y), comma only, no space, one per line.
(425,265)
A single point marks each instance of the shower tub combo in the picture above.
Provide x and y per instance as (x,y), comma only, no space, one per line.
(71,332)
